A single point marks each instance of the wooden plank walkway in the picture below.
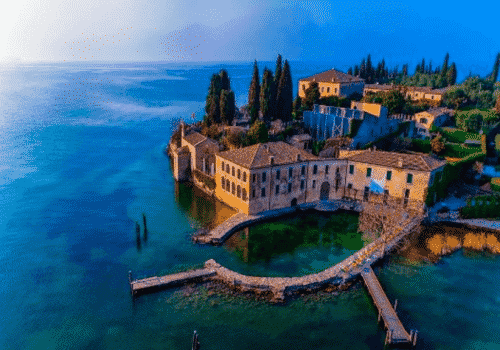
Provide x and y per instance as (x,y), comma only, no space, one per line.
(154,283)
(396,333)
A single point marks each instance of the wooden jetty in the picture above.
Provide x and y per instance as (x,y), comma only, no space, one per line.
(154,283)
(396,333)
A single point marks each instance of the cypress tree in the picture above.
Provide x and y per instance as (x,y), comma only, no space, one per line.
(227,107)
(494,73)
(451,75)
(254,94)
(369,68)
(277,72)
(285,94)
(349,71)
(422,66)
(267,98)
(297,105)
(444,70)
(225,82)
(356,71)
(212,109)
(362,69)
(429,68)
(405,70)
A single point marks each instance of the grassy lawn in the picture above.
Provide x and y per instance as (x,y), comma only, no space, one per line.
(459,136)
(486,113)
(459,151)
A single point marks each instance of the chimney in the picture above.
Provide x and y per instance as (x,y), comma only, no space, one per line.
(400,162)
(183,131)
(271,158)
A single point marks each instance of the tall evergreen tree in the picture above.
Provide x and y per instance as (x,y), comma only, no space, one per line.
(225,83)
(369,68)
(285,94)
(422,66)
(405,70)
(444,70)
(349,71)
(362,69)
(312,95)
(212,109)
(451,75)
(254,94)
(267,98)
(277,72)
(429,68)
(356,71)
(297,104)
(227,107)
(494,73)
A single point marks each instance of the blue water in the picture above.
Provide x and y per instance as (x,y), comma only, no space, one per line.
(76,176)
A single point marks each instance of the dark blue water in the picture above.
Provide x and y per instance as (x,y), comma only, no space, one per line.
(76,176)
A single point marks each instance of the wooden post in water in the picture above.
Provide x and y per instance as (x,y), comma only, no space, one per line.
(395,304)
(196,343)
(145,227)
(138,235)
(415,338)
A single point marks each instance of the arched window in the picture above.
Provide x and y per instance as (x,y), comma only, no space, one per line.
(233,189)
(223,182)
(244,194)
(228,187)
(239,174)
(244,176)
(232,171)
(222,166)
(315,169)
(238,191)
(227,168)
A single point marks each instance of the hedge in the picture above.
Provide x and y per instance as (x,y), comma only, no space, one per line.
(495,184)
(484,207)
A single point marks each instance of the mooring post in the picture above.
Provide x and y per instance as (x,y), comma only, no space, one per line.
(196,343)
(395,304)
(137,229)
(415,338)
(130,282)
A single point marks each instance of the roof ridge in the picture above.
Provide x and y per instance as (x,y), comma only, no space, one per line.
(255,154)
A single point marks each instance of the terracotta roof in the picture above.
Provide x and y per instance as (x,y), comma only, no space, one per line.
(380,86)
(181,150)
(437,111)
(390,159)
(349,153)
(259,155)
(332,76)
(194,138)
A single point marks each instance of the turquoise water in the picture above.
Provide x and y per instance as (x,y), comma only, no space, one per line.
(74,179)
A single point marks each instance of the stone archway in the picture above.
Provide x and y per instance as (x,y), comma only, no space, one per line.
(294,202)
(324,191)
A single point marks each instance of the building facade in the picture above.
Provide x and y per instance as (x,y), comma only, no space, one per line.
(383,175)
(434,116)
(333,83)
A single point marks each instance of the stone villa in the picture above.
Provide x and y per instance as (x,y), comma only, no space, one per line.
(333,83)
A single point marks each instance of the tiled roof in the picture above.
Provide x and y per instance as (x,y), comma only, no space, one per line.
(391,159)
(259,155)
(194,138)
(437,111)
(348,153)
(300,137)
(332,76)
(181,150)
(380,86)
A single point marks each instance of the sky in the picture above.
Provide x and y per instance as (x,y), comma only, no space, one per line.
(341,32)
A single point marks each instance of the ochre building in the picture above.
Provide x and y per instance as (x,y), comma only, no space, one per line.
(333,83)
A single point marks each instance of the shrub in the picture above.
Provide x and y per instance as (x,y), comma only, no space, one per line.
(495,183)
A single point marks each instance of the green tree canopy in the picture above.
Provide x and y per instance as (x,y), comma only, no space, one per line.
(254,94)
(285,94)
(227,107)
(257,133)
(267,98)
(437,144)
(312,95)
(224,78)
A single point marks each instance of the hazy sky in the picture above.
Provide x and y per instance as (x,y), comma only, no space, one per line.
(235,30)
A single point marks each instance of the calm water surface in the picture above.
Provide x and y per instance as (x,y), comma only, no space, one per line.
(75,178)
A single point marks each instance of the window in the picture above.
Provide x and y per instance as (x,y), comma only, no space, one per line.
(233,188)
(244,194)
(335,90)
(338,170)
(302,182)
(349,186)
(303,87)
(264,176)
(227,168)
(351,169)
(263,192)
(389,175)
(232,171)
(238,191)
(253,178)
(277,189)
(222,166)
(290,170)
(303,171)
(278,174)
(239,174)
(223,183)
(322,88)
(289,187)
(368,172)
(244,176)
(228,185)
(409,178)
(314,183)
(366,193)
(326,169)
(315,169)
(253,193)
(328,90)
